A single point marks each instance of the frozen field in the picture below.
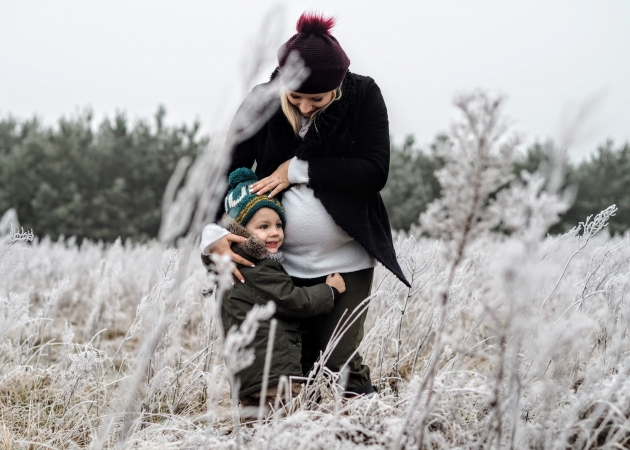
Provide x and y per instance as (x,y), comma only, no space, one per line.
(508,338)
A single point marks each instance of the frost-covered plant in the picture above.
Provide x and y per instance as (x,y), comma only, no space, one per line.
(478,159)
(581,235)
(14,307)
(53,297)
(478,162)
(107,292)
(506,371)
(155,298)
(12,247)
(236,351)
(197,187)
(13,312)
(80,372)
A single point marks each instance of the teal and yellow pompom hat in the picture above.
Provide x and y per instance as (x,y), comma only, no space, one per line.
(241,204)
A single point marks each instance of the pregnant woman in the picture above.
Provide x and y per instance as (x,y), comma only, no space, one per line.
(325,152)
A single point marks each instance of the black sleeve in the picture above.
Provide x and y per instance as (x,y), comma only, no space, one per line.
(367,172)
(291,301)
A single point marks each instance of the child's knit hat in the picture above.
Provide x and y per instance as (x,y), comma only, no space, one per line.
(241,204)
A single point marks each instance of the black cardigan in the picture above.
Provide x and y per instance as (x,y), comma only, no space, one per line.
(347,149)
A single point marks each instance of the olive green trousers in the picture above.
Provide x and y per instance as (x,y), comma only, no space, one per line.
(319,329)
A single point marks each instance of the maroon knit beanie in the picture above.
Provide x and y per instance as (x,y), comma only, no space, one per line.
(320,52)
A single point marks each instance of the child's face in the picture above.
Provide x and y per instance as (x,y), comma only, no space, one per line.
(267,226)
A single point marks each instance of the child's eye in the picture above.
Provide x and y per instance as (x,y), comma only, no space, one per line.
(316,100)
(263,227)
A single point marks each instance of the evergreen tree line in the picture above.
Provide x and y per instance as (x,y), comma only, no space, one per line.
(107,182)
(98,184)
(595,184)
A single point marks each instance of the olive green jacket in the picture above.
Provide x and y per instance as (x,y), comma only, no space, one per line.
(266,282)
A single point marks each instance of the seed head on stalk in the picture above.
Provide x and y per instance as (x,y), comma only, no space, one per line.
(478,160)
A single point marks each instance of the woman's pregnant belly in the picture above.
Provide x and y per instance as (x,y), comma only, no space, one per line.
(314,245)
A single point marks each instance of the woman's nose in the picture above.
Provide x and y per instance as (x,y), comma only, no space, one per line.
(305,107)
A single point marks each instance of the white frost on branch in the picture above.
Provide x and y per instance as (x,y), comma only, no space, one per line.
(236,349)
(196,188)
(13,312)
(478,162)
(12,247)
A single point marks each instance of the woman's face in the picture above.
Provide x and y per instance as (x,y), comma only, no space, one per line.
(309,103)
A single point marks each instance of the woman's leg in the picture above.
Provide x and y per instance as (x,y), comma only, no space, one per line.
(319,329)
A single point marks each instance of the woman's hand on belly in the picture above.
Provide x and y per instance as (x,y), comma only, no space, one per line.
(276,182)
(224,247)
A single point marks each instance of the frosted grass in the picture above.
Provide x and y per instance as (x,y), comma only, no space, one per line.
(550,377)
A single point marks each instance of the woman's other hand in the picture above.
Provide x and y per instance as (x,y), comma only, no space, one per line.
(335,280)
(224,247)
(276,182)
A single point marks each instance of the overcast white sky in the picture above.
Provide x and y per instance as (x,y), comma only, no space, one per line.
(552,59)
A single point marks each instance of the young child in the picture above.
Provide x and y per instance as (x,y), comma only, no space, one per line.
(260,220)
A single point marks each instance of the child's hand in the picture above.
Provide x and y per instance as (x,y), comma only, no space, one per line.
(335,280)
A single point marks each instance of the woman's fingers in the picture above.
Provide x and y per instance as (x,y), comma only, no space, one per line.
(265,185)
(281,187)
(223,247)
(274,187)
(238,259)
(237,273)
(235,238)
(258,185)
(276,182)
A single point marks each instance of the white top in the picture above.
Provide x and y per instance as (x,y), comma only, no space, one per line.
(314,245)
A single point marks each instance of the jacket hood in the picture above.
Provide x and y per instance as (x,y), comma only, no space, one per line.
(252,246)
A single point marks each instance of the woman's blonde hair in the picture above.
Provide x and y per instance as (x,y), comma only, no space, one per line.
(293,114)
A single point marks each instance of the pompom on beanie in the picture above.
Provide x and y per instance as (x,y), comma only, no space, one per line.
(241,204)
(320,51)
